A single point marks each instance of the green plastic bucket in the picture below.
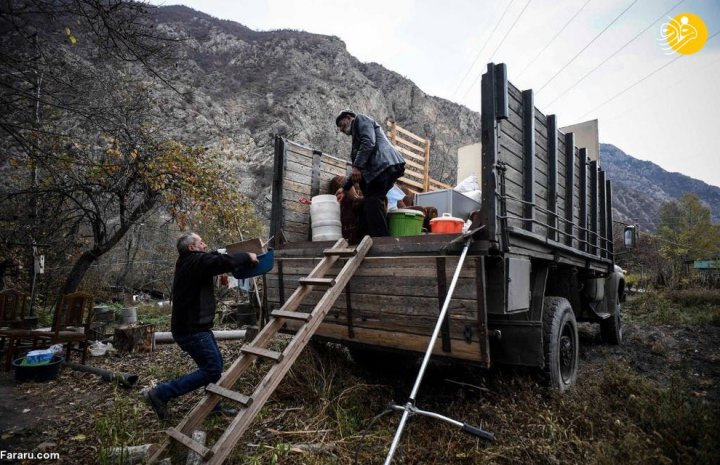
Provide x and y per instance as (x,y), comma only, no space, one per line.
(404,222)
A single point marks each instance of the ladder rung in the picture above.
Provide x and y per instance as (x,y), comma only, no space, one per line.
(228,394)
(190,443)
(271,354)
(341,251)
(318,281)
(300,316)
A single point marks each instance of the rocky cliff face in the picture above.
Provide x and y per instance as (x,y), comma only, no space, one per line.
(641,187)
(247,85)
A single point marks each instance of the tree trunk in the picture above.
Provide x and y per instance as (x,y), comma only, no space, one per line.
(83,263)
(134,338)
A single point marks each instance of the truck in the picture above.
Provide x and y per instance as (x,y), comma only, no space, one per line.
(541,258)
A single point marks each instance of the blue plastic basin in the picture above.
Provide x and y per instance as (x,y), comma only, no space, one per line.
(265,264)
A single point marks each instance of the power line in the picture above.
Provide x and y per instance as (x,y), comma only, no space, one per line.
(552,40)
(638,82)
(565,92)
(477,57)
(509,30)
(585,47)
(623,114)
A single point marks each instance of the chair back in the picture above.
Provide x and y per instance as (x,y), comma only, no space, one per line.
(74,310)
(12,307)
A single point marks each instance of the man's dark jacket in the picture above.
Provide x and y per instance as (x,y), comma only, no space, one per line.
(193,292)
(371,150)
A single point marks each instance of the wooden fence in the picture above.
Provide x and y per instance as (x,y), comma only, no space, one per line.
(416,151)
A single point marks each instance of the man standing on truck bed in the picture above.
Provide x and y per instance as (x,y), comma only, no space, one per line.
(193,312)
(376,165)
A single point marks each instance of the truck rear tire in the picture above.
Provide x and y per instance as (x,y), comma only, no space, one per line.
(611,328)
(560,343)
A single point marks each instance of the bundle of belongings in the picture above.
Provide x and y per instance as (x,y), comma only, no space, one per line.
(352,204)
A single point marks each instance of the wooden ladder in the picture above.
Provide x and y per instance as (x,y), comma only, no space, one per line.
(249,406)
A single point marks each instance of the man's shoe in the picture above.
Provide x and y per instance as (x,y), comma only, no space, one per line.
(157,405)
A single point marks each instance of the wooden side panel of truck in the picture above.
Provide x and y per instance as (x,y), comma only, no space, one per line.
(546,240)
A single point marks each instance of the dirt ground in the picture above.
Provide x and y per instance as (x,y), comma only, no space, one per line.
(328,400)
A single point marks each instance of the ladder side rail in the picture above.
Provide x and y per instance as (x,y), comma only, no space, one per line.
(240,423)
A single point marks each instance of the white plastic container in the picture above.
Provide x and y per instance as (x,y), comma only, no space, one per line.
(325,217)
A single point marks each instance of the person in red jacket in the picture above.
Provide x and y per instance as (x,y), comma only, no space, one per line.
(193,313)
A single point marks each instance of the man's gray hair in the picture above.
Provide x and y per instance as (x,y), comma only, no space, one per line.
(185,241)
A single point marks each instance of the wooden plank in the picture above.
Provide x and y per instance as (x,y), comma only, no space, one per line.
(435,184)
(229,394)
(413,164)
(406,132)
(528,160)
(609,222)
(552,151)
(593,207)
(569,187)
(489,158)
(411,182)
(190,443)
(602,227)
(317,281)
(297,316)
(409,144)
(582,198)
(409,153)
(261,352)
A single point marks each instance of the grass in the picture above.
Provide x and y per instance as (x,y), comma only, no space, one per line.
(117,426)
(689,307)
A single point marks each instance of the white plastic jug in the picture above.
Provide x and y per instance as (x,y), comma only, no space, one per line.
(325,216)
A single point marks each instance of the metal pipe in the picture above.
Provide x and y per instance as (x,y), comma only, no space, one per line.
(123,379)
(428,353)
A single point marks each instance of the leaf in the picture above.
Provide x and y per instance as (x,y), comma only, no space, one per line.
(70,36)
(79,437)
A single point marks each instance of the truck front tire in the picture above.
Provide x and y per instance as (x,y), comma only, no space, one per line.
(560,343)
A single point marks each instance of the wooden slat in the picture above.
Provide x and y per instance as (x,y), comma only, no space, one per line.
(400,140)
(297,316)
(528,159)
(260,352)
(190,443)
(406,132)
(569,186)
(409,153)
(228,394)
(341,251)
(414,165)
(411,182)
(317,281)
(439,184)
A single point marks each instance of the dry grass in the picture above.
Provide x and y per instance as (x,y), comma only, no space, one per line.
(631,405)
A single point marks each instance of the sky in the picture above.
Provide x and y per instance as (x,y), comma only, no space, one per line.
(585,59)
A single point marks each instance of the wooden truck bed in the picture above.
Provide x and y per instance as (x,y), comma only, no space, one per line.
(544,203)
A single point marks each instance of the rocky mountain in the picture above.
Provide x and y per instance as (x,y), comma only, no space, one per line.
(247,85)
(641,187)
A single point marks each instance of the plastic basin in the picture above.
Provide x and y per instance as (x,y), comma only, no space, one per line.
(265,264)
(446,224)
(38,373)
(405,222)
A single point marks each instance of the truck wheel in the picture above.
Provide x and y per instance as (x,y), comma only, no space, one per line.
(560,343)
(611,328)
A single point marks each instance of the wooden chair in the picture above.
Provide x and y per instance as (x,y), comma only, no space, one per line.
(12,309)
(12,313)
(71,327)
(71,324)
